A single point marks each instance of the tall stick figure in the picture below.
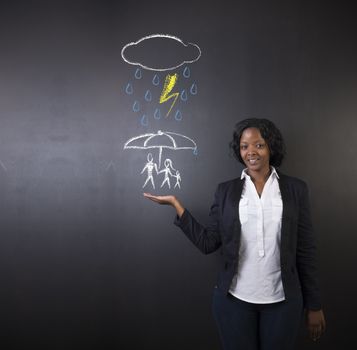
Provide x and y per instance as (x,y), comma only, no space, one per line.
(150,166)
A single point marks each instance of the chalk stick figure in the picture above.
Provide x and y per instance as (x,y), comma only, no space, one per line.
(150,166)
(178,179)
(167,172)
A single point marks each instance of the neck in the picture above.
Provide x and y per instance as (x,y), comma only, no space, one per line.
(260,176)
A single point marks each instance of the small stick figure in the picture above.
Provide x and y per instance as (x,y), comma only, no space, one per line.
(178,179)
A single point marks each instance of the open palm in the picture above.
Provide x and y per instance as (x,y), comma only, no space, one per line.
(168,200)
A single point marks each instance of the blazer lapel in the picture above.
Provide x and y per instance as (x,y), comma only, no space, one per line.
(235,195)
(236,192)
(285,197)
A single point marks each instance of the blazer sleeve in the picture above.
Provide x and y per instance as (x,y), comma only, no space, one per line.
(206,238)
(306,254)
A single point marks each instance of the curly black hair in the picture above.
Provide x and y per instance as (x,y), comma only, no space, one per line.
(270,133)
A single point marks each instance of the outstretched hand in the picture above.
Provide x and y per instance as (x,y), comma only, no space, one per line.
(167,200)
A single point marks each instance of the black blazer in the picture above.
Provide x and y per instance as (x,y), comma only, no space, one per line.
(297,245)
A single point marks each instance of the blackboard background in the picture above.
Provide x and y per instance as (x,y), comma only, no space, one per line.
(85,261)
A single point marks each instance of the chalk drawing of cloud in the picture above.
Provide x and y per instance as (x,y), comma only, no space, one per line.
(160,52)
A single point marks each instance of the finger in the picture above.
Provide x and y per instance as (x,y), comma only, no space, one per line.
(312,333)
(150,196)
(316,333)
(155,199)
(323,326)
(159,199)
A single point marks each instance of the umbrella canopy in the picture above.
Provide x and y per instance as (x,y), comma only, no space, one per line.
(161,140)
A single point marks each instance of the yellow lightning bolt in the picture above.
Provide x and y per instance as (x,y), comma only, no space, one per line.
(169,84)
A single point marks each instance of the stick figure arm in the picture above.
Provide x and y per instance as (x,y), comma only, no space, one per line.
(145,167)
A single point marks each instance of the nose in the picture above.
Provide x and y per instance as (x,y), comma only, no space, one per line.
(251,150)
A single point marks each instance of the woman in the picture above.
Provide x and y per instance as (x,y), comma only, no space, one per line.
(262,223)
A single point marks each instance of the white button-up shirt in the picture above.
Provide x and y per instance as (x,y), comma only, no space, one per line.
(258,279)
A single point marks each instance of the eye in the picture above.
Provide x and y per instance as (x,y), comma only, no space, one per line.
(260,145)
(243,147)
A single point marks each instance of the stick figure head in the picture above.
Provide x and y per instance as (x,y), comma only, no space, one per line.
(168,163)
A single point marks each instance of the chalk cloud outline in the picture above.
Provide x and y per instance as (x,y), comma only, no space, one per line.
(167,36)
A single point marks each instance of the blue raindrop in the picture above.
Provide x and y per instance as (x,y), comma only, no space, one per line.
(178,115)
(148,96)
(156,80)
(193,89)
(138,73)
(136,106)
(183,95)
(129,89)
(157,113)
(195,151)
(144,120)
(186,72)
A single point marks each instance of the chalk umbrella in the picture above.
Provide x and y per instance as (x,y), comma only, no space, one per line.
(161,140)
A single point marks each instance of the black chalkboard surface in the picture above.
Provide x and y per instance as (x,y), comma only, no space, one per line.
(103,100)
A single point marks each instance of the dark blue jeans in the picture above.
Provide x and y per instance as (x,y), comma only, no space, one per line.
(247,326)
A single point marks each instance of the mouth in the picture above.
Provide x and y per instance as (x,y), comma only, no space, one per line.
(253,161)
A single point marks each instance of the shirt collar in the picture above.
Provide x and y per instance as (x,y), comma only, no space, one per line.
(245,175)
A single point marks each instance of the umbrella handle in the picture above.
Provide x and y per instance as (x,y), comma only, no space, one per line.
(160,153)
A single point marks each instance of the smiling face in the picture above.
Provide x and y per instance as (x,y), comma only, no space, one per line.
(254,151)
